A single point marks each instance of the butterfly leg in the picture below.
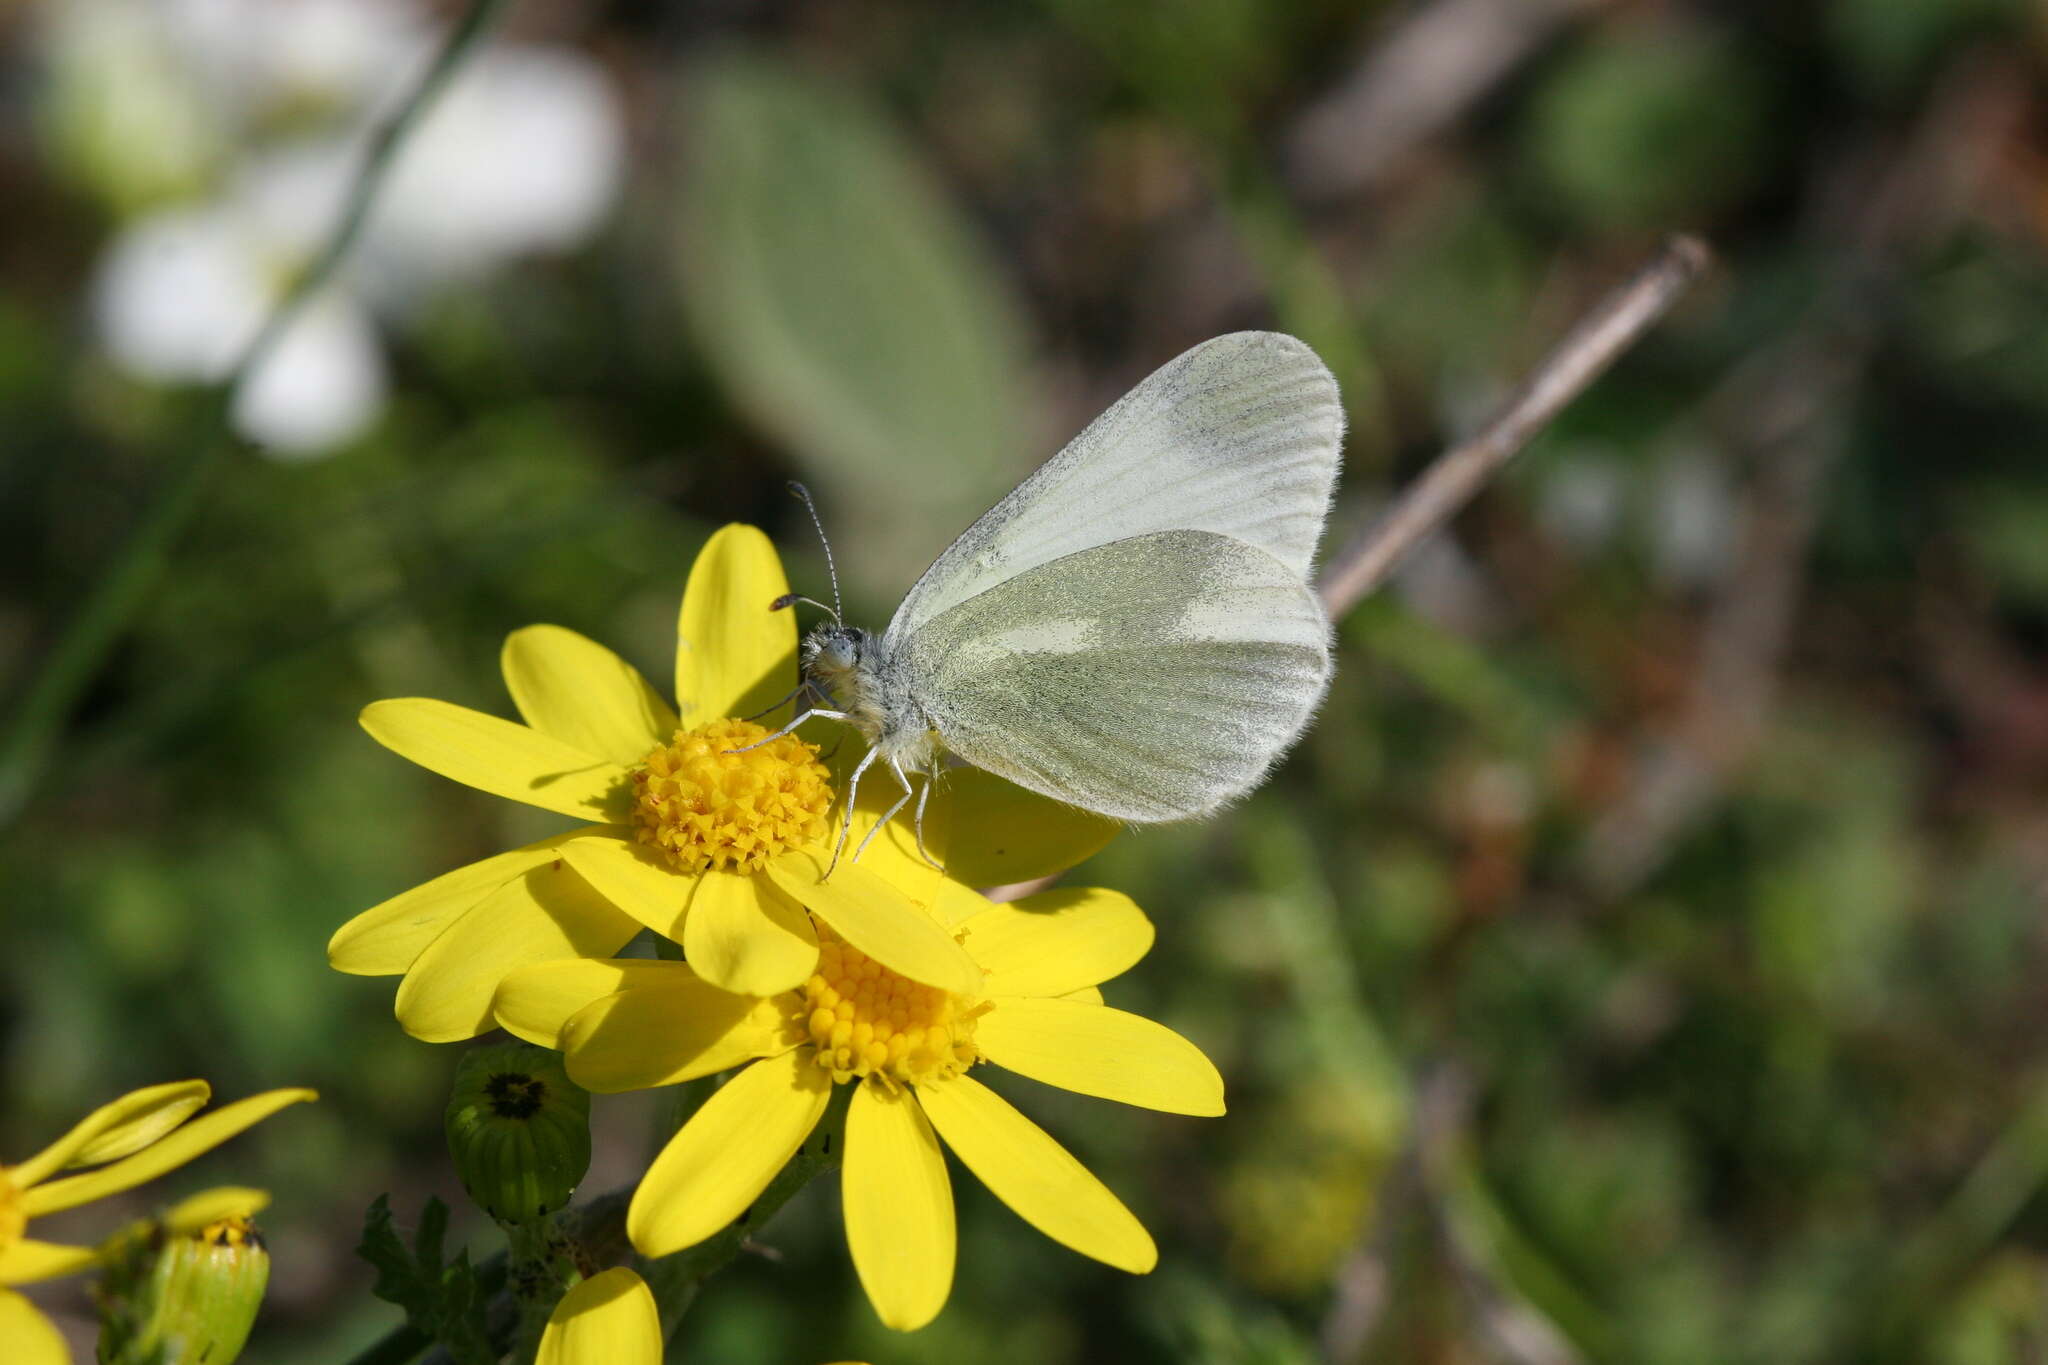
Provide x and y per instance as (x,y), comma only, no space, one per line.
(792,695)
(846,822)
(827,715)
(924,795)
(887,816)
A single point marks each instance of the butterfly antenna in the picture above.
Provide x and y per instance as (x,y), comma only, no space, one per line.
(831,570)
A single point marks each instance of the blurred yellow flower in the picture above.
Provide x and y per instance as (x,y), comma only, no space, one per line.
(608,1319)
(134,1139)
(906,1042)
(722,852)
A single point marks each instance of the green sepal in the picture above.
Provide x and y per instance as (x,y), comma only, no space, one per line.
(180,1298)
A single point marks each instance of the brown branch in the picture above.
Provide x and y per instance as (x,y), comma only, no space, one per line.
(1460,472)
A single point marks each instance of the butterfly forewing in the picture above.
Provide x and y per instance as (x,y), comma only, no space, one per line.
(1150,678)
(1238,436)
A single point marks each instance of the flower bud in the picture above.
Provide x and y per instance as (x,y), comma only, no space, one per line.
(519,1130)
(175,1297)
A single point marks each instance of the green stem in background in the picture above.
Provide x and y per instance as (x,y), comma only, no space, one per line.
(545,1262)
(1308,930)
(1453,670)
(1308,296)
(30,737)
(1485,1233)
(1943,1251)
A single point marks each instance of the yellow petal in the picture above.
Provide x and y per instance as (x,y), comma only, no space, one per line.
(535,1003)
(1087,995)
(958,903)
(874,917)
(194,1212)
(898,1207)
(734,656)
(200,1135)
(1095,1050)
(547,914)
(28,1261)
(635,878)
(893,857)
(746,936)
(893,854)
(993,832)
(727,1153)
(1034,1175)
(115,1130)
(385,939)
(573,688)
(31,1338)
(608,1319)
(675,1030)
(499,757)
(1057,941)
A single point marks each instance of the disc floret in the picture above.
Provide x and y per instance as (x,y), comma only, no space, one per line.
(865,1020)
(717,798)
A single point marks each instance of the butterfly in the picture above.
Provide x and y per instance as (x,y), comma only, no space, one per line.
(1132,630)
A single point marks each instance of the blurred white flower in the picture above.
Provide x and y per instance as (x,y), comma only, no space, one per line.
(271,54)
(320,387)
(1582,499)
(178,294)
(181,294)
(523,153)
(1693,520)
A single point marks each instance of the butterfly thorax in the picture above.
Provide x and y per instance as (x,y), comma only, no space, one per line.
(850,670)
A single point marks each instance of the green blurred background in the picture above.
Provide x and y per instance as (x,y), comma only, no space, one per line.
(1642,959)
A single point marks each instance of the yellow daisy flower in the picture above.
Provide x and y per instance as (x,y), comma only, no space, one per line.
(722,852)
(906,1043)
(136,1138)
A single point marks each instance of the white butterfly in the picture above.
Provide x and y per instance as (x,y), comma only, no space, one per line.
(1132,629)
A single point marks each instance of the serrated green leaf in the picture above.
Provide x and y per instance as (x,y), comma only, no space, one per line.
(443,1302)
(433,1230)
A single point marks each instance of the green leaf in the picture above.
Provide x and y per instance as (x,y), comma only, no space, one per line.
(441,1300)
(847,306)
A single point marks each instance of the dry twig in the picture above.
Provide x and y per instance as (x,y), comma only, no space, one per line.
(1460,472)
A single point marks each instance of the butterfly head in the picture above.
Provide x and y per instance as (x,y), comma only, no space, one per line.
(832,657)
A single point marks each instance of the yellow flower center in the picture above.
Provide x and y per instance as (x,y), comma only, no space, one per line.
(706,807)
(866,1020)
(13,1222)
(232,1234)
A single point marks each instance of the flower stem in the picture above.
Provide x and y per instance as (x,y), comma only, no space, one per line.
(31,734)
(544,1261)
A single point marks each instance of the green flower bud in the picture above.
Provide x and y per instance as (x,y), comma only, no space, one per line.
(519,1130)
(181,1298)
